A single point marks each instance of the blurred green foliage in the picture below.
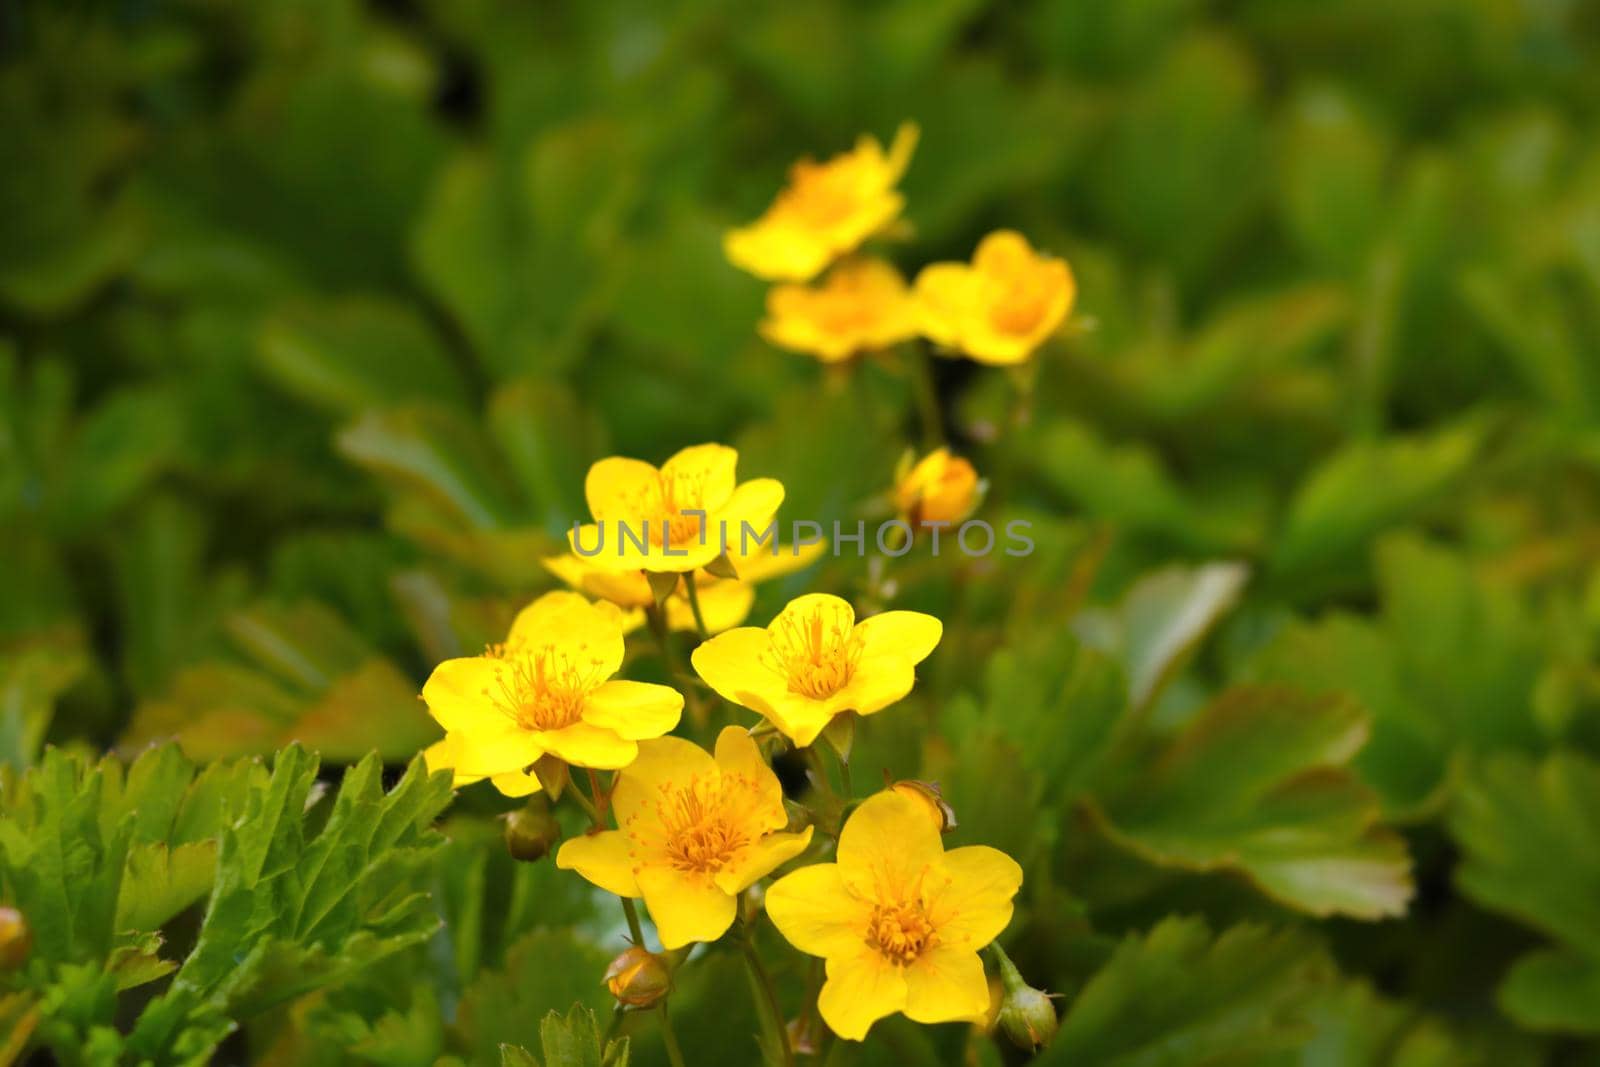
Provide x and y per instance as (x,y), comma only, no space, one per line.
(313,316)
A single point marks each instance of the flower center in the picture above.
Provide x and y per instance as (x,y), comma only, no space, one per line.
(546,686)
(1021,306)
(821,194)
(702,825)
(817,653)
(660,506)
(900,931)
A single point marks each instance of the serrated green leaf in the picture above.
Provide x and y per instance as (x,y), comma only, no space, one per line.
(1179,997)
(1530,835)
(1259,783)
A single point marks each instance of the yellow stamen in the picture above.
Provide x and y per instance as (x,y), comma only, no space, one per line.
(817,654)
(546,687)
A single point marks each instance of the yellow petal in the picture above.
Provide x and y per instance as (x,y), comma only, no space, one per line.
(633,711)
(751,507)
(878,682)
(443,755)
(622,488)
(731,664)
(905,142)
(706,470)
(585,745)
(516,783)
(801,718)
(660,764)
(762,564)
(946,984)
(816,911)
(738,757)
(685,906)
(760,859)
(947,298)
(589,633)
(861,989)
(1004,252)
(459,693)
(798,612)
(497,751)
(723,604)
(971,895)
(627,589)
(776,251)
(603,859)
(887,845)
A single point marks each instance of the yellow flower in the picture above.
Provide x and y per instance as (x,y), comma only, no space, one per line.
(864,305)
(674,519)
(1003,306)
(695,833)
(825,211)
(939,488)
(724,602)
(899,920)
(545,691)
(814,661)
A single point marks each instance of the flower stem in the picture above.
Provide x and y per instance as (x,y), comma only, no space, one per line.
(766,998)
(693,590)
(927,397)
(670,1039)
(635,931)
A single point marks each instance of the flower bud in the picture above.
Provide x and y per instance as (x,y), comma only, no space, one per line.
(531,831)
(939,488)
(1026,1014)
(928,793)
(638,978)
(16,940)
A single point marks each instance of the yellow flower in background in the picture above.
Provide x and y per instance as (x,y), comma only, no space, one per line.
(938,488)
(547,690)
(671,519)
(864,305)
(815,661)
(899,920)
(825,211)
(724,602)
(1003,306)
(695,833)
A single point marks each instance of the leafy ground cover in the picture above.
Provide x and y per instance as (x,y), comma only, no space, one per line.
(314,319)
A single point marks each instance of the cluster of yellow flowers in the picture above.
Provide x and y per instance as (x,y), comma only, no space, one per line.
(998,309)
(899,920)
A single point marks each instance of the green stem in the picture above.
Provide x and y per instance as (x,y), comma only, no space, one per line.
(693,589)
(927,397)
(670,1039)
(766,998)
(635,931)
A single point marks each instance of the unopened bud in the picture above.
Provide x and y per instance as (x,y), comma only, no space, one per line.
(638,978)
(1027,1015)
(531,831)
(805,1035)
(16,940)
(929,794)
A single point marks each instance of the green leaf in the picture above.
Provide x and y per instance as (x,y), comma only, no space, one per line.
(1530,837)
(1128,485)
(435,453)
(1160,622)
(1060,703)
(545,971)
(1258,783)
(355,354)
(309,679)
(575,1041)
(290,914)
(1554,990)
(32,678)
(1363,489)
(1177,997)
